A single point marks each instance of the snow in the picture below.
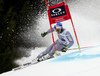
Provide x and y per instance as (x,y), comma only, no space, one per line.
(84,63)
(86,18)
(34,53)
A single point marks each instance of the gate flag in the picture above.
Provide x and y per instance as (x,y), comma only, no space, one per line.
(58,13)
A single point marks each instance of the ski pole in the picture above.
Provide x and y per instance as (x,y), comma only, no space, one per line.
(80,48)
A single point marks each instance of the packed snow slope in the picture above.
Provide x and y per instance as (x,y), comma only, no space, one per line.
(80,63)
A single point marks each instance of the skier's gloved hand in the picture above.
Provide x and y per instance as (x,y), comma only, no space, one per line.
(64,49)
(43,34)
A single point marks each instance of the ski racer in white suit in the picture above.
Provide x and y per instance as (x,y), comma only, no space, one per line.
(63,42)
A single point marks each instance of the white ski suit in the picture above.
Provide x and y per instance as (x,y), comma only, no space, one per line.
(64,39)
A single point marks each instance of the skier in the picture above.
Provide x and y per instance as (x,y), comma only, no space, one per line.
(63,42)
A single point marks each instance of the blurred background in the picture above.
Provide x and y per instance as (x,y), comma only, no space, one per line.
(23,21)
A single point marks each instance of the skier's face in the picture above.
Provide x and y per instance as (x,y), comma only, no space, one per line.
(58,30)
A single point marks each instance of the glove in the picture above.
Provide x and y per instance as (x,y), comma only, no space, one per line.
(64,49)
(43,34)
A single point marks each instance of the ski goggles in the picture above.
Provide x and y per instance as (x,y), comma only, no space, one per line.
(58,29)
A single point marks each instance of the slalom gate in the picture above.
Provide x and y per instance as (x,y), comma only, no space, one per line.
(58,13)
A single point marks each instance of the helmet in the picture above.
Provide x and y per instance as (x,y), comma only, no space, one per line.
(59,24)
(58,27)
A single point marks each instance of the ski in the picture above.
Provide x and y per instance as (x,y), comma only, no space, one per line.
(33,62)
(24,66)
(28,64)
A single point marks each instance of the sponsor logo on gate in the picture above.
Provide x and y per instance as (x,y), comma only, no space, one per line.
(59,11)
(56,10)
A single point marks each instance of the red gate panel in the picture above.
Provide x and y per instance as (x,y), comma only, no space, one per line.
(58,13)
